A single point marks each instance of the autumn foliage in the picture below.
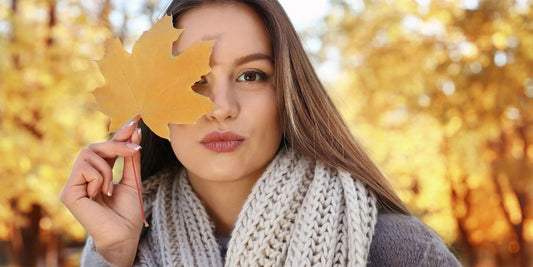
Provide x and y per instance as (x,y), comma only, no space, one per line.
(151,82)
(46,117)
(440,93)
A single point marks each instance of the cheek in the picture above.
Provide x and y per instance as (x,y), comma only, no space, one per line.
(264,115)
(273,118)
(181,137)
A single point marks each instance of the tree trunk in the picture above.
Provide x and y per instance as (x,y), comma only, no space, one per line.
(26,246)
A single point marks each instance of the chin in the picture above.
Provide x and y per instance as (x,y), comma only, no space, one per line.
(221,175)
(215,170)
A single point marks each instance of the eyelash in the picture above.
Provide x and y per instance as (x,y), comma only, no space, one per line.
(261,77)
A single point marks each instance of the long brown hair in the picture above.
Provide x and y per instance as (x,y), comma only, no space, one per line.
(311,123)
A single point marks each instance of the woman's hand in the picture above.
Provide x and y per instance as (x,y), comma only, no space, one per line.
(110,213)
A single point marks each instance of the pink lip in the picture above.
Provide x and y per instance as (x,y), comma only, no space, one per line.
(222,141)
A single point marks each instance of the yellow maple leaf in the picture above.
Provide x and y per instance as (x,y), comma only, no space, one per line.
(153,83)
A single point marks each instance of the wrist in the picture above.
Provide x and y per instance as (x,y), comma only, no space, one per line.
(119,254)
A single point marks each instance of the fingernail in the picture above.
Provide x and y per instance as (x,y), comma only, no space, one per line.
(139,131)
(130,124)
(133,146)
(110,189)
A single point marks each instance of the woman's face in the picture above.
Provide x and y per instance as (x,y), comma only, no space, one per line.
(241,135)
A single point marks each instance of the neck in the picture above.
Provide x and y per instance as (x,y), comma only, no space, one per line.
(223,199)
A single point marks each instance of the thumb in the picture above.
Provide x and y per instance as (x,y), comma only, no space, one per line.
(131,174)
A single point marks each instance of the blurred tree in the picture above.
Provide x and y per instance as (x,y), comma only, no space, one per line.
(46,117)
(47,68)
(442,92)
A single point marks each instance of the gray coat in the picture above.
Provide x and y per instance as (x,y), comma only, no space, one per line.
(401,240)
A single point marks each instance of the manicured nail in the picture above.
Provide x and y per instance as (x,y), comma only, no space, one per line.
(110,192)
(139,131)
(134,121)
(130,124)
(133,146)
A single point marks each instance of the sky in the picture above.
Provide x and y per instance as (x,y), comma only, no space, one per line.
(308,13)
(305,13)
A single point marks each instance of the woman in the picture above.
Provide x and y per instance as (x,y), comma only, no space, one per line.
(271,176)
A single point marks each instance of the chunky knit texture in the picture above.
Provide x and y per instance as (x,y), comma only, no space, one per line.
(299,213)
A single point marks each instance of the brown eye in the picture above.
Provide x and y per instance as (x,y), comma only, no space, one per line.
(251,76)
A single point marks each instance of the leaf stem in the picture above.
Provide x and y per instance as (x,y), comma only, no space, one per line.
(137,182)
(139,192)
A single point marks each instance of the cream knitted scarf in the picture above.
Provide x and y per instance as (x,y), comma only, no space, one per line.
(299,213)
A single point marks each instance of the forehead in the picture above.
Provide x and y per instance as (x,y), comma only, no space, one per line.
(236,28)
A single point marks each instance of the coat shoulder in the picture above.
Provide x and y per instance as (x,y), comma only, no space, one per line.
(402,240)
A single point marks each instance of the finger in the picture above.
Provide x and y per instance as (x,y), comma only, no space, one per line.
(132,164)
(94,181)
(139,136)
(82,164)
(109,150)
(126,131)
(84,182)
(106,172)
(114,149)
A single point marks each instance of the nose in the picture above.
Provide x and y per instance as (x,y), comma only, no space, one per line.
(226,105)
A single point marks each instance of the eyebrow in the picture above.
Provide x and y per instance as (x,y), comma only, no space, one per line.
(240,60)
(248,58)
(253,57)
